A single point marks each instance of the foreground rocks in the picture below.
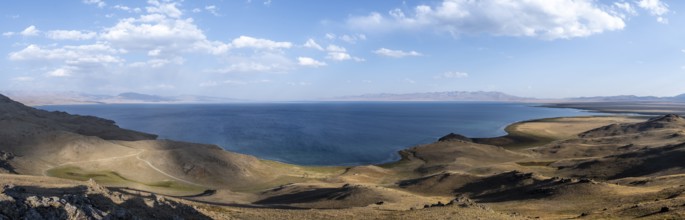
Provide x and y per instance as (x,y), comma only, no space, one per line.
(90,201)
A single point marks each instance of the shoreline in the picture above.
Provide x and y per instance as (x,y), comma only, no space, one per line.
(637,108)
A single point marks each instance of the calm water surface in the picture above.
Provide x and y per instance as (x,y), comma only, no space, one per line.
(329,133)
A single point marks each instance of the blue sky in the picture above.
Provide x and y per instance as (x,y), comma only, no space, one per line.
(304,49)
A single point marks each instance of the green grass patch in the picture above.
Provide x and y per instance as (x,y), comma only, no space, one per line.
(113,178)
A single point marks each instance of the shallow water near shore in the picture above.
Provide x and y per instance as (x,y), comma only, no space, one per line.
(321,133)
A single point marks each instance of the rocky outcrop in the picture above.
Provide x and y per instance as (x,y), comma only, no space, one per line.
(89,201)
(5,166)
(454,137)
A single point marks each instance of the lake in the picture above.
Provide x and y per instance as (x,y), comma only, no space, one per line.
(320,133)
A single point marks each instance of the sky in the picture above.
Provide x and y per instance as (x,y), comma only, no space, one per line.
(309,49)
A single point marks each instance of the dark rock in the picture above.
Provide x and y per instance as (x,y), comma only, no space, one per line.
(664,209)
(379,203)
(454,137)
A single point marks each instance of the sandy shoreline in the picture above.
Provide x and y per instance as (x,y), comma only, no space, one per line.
(641,108)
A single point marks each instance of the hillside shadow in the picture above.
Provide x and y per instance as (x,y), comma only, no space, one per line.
(653,161)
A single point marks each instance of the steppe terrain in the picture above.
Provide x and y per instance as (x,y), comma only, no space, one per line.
(56,165)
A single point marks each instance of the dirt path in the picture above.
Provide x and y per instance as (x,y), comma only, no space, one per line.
(137,156)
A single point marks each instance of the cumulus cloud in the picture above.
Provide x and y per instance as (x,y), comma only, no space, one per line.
(352,39)
(160,32)
(70,35)
(127,9)
(8,34)
(626,7)
(312,44)
(149,42)
(339,53)
(74,59)
(250,42)
(308,61)
(545,19)
(396,53)
(30,31)
(452,75)
(166,8)
(655,8)
(93,53)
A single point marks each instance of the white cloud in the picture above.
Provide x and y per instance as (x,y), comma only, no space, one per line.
(212,9)
(93,53)
(396,53)
(352,39)
(61,72)
(452,75)
(656,8)
(30,31)
(74,59)
(250,42)
(312,44)
(157,62)
(408,80)
(627,7)
(196,10)
(330,36)
(545,19)
(339,53)
(99,3)
(70,35)
(127,9)
(167,8)
(335,48)
(308,61)
(158,32)
(254,65)
(8,34)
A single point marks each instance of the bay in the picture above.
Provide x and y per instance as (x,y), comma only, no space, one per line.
(318,133)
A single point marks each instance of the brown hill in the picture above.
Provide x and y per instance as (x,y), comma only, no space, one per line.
(18,121)
(664,122)
(658,161)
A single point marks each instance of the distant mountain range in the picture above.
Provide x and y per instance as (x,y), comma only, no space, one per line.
(63,98)
(629,98)
(436,96)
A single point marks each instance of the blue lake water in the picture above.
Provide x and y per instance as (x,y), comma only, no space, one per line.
(323,133)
